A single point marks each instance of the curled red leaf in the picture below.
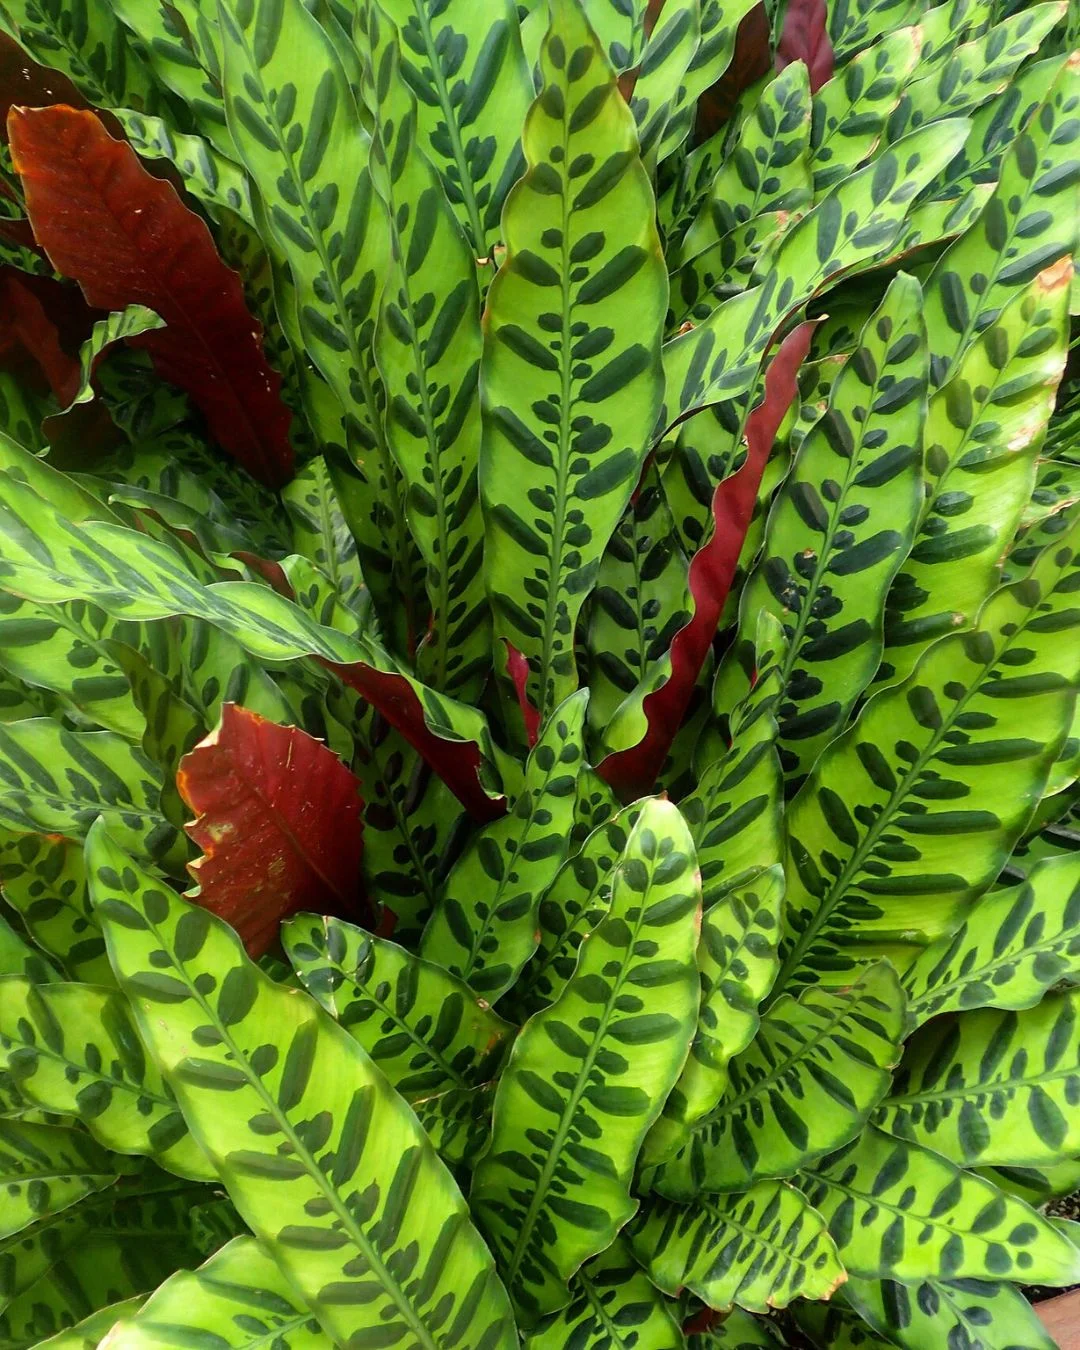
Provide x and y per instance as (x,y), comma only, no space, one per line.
(633,771)
(26,328)
(517,667)
(126,238)
(805,37)
(278,820)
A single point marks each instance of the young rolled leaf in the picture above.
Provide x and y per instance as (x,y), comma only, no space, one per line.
(294,1131)
(72,1050)
(898,1211)
(145,247)
(421,1025)
(484,926)
(1016,944)
(278,820)
(992,1087)
(240,1290)
(595,1065)
(760,1250)
(46,1168)
(808,1083)
(571,378)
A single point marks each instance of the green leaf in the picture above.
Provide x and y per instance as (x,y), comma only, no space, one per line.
(238,1298)
(594,1069)
(942,772)
(46,1168)
(760,1250)
(841,526)
(72,1050)
(422,1026)
(657,90)
(17,957)
(427,345)
(937,1312)
(210,177)
(484,927)
(898,1211)
(571,379)
(737,962)
(983,430)
(467,69)
(458,1123)
(117,327)
(806,1085)
(613,1307)
(1015,945)
(1036,1185)
(321,1158)
(741,1331)
(91,1331)
(321,532)
(992,1086)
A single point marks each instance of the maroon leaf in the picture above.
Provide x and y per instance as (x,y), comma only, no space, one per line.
(126,238)
(517,667)
(278,820)
(26,84)
(632,772)
(750,60)
(806,38)
(26,329)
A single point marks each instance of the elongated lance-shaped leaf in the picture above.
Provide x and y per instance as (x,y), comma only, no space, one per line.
(484,926)
(851,109)
(424,1028)
(307,134)
(293,1131)
(91,1331)
(18,957)
(668,52)
(935,1312)
(736,810)
(458,1123)
(321,532)
(760,1250)
(992,1087)
(72,1050)
(118,326)
(571,380)
(1036,1185)
(466,67)
(931,826)
(1015,944)
(575,902)
(856,221)
(239,1298)
(898,1211)
(1028,224)
(46,1168)
(842,525)
(613,1306)
(737,962)
(594,1068)
(427,345)
(212,178)
(807,1084)
(983,431)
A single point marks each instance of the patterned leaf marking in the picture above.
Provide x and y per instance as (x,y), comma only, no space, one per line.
(980,1312)
(208,175)
(1015,944)
(1023,228)
(983,430)
(1036,1185)
(126,323)
(484,927)
(90,1332)
(857,220)
(427,345)
(992,1087)
(458,1123)
(841,526)
(239,1298)
(925,764)
(423,1027)
(570,396)
(300,142)
(808,1083)
(321,532)
(760,1250)
(575,902)
(671,46)
(72,1050)
(613,1306)
(595,1066)
(465,65)
(737,963)
(45,1168)
(850,111)
(838,1326)
(338,1220)
(898,1211)
(18,957)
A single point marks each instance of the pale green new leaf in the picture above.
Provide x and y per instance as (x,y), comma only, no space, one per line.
(422,1026)
(322,1159)
(571,378)
(116,327)
(587,1076)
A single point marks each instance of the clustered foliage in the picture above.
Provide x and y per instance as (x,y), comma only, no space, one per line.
(564,518)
